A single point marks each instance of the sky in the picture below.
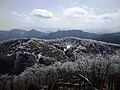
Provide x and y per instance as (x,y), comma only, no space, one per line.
(87,15)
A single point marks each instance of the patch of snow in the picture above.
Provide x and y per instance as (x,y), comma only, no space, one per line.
(68,46)
(38,57)
(81,47)
(9,54)
(65,49)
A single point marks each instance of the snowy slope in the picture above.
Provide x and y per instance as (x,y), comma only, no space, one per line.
(18,54)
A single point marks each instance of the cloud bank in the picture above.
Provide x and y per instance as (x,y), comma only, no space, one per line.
(90,13)
(76,17)
(87,17)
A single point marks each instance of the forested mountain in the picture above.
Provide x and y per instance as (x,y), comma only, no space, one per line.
(68,63)
(17,33)
(71,33)
(110,38)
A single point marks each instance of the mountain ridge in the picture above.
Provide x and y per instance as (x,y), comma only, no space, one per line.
(18,33)
(46,62)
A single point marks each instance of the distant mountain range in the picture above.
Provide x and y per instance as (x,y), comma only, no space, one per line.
(71,33)
(18,33)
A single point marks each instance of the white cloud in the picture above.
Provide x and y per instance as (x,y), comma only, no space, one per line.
(43,13)
(16,13)
(113,15)
(74,11)
(22,17)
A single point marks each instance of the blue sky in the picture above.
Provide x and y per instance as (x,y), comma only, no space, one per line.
(89,15)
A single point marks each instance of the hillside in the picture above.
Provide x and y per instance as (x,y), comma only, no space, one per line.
(69,62)
(16,55)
